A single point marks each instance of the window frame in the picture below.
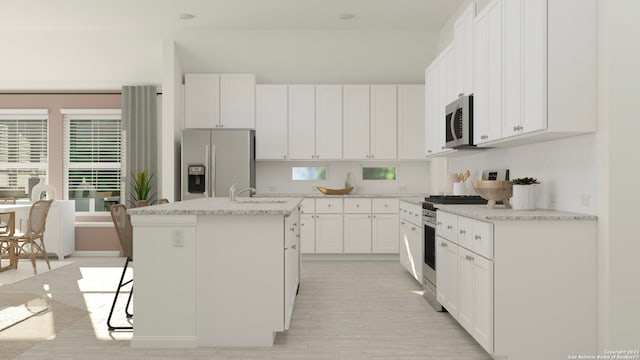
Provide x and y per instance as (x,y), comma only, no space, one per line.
(30,115)
(379,180)
(89,115)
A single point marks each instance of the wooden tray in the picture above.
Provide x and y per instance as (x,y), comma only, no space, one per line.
(334,191)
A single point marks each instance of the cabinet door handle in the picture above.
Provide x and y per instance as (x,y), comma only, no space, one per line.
(402,222)
(293,247)
(438,223)
(284,156)
(449,227)
(374,216)
(412,228)
(462,231)
(292,228)
(443,244)
(469,257)
(428,151)
(477,237)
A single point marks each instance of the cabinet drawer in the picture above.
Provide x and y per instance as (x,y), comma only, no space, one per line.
(386,206)
(482,239)
(328,206)
(411,213)
(308,206)
(447,225)
(465,232)
(357,206)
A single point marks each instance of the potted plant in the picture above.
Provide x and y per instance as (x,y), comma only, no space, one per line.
(141,186)
(524,194)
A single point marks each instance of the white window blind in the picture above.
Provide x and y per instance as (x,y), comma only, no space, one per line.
(93,150)
(23,149)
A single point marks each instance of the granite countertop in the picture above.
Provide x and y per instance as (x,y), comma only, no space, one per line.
(352,195)
(500,213)
(415,200)
(222,206)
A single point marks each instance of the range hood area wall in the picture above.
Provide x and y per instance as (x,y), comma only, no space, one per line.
(566,168)
(274,177)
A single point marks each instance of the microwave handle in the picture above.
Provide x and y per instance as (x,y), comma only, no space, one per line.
(452,122)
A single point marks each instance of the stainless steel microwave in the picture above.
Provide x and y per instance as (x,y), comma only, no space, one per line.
(459,123)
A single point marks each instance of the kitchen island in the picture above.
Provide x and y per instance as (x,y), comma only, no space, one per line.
(212,272)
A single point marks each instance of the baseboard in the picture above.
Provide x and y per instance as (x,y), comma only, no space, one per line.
(164,342)
(80,253)
(350,257)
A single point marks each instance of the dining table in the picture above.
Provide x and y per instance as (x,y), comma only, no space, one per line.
(8,212)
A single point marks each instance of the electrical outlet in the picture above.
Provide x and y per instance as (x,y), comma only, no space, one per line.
(586,199)
(177,239)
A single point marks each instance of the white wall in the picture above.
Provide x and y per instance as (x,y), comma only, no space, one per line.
(58,60)
(290,56)
(618,171)
(274,177)
(566,168)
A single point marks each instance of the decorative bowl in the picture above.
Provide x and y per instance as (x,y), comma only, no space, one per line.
(494,190)
(326,191)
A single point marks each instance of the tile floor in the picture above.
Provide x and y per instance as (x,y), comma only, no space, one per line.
(344,310)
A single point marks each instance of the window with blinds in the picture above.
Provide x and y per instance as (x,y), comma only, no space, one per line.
(23,150)
(93,159)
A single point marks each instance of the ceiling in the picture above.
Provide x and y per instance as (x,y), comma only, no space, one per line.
(163,15)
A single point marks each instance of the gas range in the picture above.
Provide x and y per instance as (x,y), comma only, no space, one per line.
(430,203)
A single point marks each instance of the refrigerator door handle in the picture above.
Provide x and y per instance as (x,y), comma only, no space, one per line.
(212,173)
(207,181)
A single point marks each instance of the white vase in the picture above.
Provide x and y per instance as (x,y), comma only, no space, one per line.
(459,188)
(524,197)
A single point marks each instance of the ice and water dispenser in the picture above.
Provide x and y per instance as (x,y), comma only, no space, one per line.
(197,179)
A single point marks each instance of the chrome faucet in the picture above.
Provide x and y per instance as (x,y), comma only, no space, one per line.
(251,191)
(232,192)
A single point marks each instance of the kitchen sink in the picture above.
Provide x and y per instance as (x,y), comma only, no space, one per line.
(255,201)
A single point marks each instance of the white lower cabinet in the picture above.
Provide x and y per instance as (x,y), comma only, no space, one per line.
(411,244)
(447,275)
(357,233)
(292,264)
(482,301)
(384,234)
(517,287)
(329,234)
(307,234)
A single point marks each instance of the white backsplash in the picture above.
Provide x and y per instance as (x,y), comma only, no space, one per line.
(566,169)
(274,177)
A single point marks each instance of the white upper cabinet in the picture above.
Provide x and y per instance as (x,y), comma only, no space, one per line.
(328,129)
(302,113)
(384,119)
(201,101)
(411,122)
(463,50)
(220,101)
(356,121)
(441,92)
(237,101)
(549,70)
(488,74)
(271,121)
(370,122)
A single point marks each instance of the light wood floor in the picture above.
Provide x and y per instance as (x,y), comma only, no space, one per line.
(344,310)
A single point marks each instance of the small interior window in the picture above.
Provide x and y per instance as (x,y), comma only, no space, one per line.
(379,173)
(308,173)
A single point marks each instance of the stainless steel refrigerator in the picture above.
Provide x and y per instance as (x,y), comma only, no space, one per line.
(213,160)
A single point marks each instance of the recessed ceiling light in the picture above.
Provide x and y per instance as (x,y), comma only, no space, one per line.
(347,16)
(186,16)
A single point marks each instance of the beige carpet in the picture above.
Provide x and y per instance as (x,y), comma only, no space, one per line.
(25,270)
(18,338)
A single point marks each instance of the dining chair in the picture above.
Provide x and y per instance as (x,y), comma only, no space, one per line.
(7,227)
(124,230)
(35,231)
